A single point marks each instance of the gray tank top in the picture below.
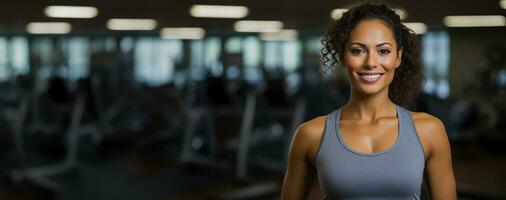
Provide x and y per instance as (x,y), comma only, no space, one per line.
(395,173)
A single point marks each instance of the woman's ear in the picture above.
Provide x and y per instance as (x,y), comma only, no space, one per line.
(398,61)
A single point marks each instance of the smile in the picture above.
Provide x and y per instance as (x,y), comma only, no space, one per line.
(369,77)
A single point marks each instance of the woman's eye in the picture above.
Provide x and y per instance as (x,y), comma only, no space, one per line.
(384,51)
(356,51)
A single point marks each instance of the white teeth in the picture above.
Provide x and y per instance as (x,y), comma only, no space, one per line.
(371,77)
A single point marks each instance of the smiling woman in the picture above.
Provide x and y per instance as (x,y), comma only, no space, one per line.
(372,147)
(371,56)
(336,41)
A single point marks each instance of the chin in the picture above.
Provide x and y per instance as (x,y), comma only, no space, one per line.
(369,89)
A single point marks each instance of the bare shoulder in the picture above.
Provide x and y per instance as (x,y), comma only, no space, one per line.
(312,128)
(427,122)
(308,136)
(430,130)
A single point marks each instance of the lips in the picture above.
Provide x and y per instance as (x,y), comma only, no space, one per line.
(370,77)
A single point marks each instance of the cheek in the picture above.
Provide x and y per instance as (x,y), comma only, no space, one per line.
(389,76)
(389,62)
(353,61)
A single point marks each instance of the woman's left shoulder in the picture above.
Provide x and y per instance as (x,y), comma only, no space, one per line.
(430,130)
(427,122)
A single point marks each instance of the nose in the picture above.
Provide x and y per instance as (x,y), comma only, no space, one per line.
(372,60)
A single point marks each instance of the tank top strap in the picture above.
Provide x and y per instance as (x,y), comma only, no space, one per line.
(405,122)
(329,139)
(408,128)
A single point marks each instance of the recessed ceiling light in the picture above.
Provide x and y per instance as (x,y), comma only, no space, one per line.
(48,27)
(183,33)
(131,24)
(258,26)
(283,35)
(71,11)
(475,21)
(417,27)
(338,13)
(217,11)
(403,14)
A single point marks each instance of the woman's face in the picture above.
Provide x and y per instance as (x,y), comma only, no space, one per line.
(371,56)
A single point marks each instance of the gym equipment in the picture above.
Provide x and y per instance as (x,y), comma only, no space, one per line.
(41,174)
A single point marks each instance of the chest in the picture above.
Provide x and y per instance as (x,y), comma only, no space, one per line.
(367,137)
(366,178)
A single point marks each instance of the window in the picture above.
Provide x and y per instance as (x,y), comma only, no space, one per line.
(19,55)
(155,59)
(4,62)
(251,56)
(291,55)
(78,57)
(435,58)
(272,55)
(212,60)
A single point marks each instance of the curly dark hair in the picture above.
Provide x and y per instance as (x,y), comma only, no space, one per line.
(408,76)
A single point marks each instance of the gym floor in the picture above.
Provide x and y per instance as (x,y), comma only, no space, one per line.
(479,173)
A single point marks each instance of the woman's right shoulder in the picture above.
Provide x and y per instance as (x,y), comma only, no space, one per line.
(313,127)
(308,136)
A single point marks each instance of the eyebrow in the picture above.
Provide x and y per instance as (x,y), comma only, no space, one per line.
(363,45)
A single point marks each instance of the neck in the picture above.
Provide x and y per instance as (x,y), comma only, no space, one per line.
(369,107)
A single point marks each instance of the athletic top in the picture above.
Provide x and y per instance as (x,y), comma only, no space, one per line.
(395,173)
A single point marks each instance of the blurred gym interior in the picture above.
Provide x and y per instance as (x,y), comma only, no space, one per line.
(181,100)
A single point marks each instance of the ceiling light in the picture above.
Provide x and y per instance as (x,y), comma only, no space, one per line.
(283,35)
(215,11)
(403,14)
(48,27)
(475,21)
(71,11)
(183,33)
(131,24)
(417,27)
(338,13)
(258,26)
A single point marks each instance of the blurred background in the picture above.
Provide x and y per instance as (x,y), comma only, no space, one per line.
(199,99)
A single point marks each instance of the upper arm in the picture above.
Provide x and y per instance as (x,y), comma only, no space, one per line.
(300,170)
(439,170)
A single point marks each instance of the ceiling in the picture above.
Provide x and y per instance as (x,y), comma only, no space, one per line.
(298,14)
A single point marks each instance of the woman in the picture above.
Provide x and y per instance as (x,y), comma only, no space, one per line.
(372,147)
